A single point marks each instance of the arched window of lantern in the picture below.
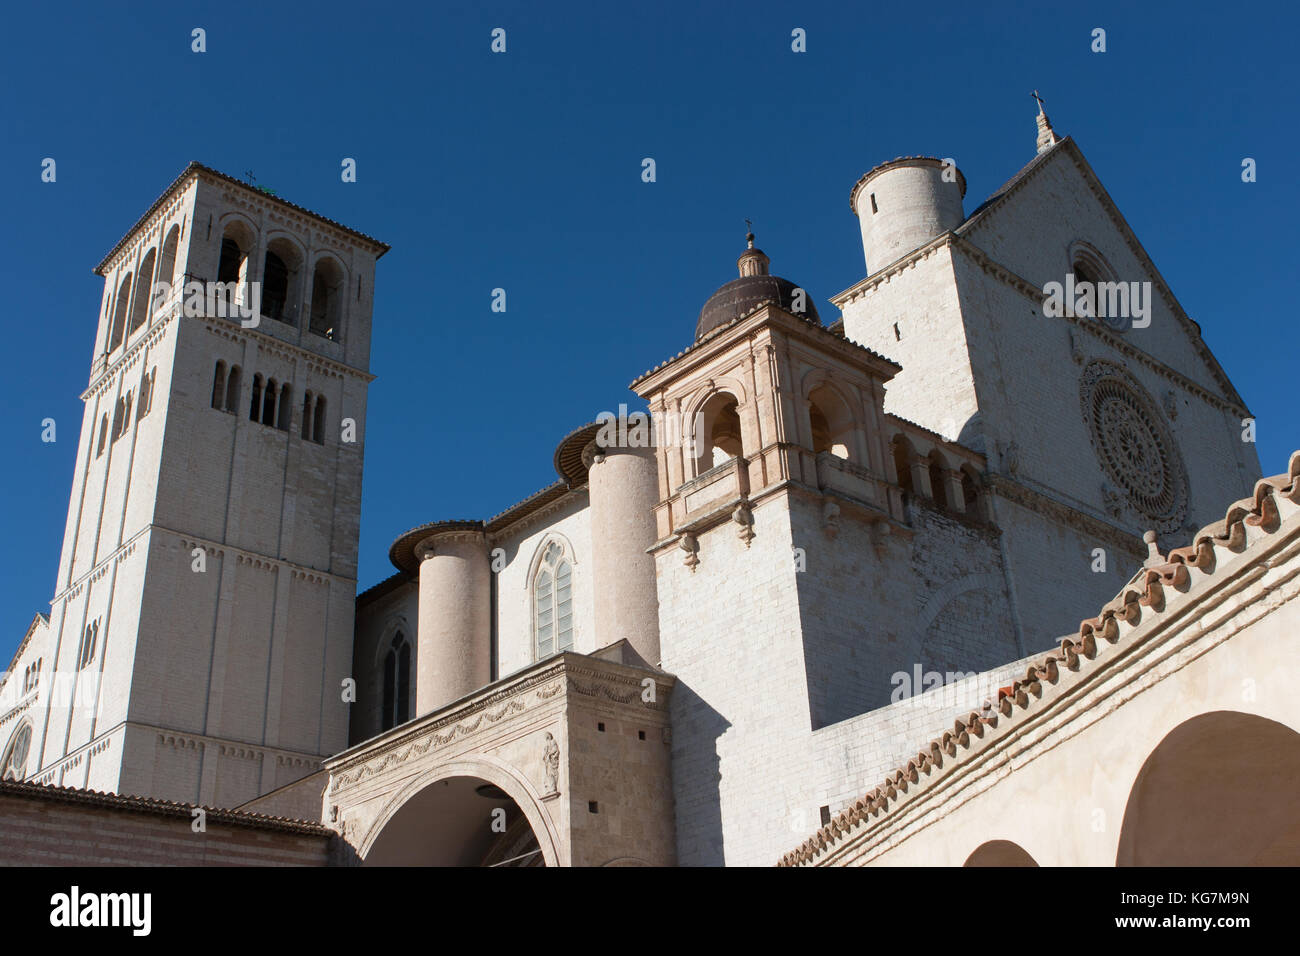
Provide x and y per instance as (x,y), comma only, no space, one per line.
(553,602)
(718,434)
(103,434)
(831,421)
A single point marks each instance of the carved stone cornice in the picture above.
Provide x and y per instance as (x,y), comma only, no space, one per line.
(1065,514)
(566,673)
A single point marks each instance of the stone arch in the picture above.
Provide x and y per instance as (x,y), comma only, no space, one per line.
(1217,790)
(1096,268)
(545,587)
(327,296)
(934,649)
(903,454)
(837,430)
(117,331)
(558,537)
(395,622)
(492,770)
(241,230)
(1000,853)
(17,752)
(282,271)
(938,467)
(144,291)
(972,499)
(170,247)
(717,419)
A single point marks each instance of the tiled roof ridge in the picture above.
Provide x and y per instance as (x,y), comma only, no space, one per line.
(1144,589)
(714,333)
(194,167)
(153,805)
(934,434)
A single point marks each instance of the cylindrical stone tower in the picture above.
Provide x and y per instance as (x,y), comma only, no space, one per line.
(624,489)
(903,204)
(455,631)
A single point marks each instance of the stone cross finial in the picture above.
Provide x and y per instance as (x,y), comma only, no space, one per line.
(1047,137)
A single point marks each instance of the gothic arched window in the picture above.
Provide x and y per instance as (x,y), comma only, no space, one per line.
(88,642)
(397,682)
(553,603)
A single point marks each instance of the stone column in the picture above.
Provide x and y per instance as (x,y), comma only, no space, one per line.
(624,489)
(956,494)
(453,655)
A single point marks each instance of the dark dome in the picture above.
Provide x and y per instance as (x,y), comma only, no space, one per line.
(743,295)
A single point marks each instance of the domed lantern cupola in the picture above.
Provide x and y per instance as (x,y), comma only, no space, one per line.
(754,287)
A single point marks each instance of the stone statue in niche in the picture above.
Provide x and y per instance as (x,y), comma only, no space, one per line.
(551,764)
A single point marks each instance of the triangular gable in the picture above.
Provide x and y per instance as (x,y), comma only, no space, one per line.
(1068,149)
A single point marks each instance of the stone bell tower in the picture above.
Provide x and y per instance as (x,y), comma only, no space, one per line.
(205,595)
(790,451)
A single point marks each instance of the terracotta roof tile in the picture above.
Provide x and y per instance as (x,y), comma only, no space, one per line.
(166,808)
(1146,589)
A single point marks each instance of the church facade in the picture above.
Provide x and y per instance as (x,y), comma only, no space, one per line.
(706,639)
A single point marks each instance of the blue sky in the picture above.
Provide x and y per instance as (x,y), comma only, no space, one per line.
(522,171)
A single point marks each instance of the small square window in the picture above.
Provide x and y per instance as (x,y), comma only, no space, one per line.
(591,807)
(640,735)
(826,815)
(601,727)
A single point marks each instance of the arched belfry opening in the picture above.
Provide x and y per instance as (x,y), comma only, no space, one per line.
(1218,790)
(904,455)
(457,821)
(832,423)
(719,434)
